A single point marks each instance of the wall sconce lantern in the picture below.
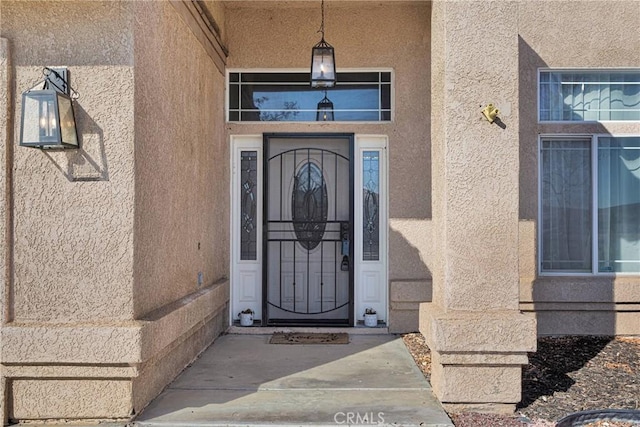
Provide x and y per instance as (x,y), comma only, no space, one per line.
(323,62)
(325,110)
(48,120)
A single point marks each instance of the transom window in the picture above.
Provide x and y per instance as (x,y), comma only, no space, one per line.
(288,97)
(590,204)
(590,95)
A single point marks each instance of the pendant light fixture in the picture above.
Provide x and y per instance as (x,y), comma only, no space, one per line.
(323,63)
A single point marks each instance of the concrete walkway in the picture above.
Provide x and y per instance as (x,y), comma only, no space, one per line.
(244,380)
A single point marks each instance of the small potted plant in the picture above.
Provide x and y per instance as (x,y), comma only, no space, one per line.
(370,318)
(246,317)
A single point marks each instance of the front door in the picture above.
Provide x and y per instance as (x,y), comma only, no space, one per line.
(308,270)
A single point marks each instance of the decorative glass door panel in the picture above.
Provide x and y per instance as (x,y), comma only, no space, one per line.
(308,269)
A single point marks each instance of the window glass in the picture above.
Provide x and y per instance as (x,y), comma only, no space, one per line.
(248,204)
(619,204)
(371,205)
(566,205)
(589,95)
(288,97)
(309,205)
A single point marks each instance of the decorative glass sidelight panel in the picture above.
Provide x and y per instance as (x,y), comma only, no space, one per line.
(371,205)
(309,205)
(248,204)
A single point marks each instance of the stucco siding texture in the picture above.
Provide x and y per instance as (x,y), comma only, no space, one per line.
(437,94)
(181,162)
(73,230)
(77,399)
(555,36)
(479,160)
(159,371)
(139,207)
(473,327)
(571,34)
(378,35)
(6,150)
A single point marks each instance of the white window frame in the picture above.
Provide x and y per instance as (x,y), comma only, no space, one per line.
(594,204)
(578,70)
(306,70)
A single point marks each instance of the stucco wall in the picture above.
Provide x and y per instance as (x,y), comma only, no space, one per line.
(181,162)
(103,235)
(6,152)
(393,35)
(572,34)
(375,36)
(437,94)
(473,327)
(73,240)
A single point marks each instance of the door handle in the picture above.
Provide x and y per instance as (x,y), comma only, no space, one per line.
(344,234)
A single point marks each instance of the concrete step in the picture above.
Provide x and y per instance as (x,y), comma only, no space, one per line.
(242,380)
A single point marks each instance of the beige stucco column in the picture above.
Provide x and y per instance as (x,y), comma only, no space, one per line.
(5,105)
(107,292)
(478,337)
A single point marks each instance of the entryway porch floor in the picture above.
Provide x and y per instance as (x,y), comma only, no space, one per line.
(242,380)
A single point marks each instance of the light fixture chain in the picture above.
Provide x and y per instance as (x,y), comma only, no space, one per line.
(322,22)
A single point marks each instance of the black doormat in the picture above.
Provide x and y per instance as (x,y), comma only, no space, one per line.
(309,338)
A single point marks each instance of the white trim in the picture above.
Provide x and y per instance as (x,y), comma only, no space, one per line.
(579,70)
(273,123)
(555,122)
(306,70)
(594,205)
(362,143)
(538,104)
(377,293)
(539,221)
(583,69)
(240,268)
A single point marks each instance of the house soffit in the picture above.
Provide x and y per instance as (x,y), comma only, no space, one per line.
(290,4)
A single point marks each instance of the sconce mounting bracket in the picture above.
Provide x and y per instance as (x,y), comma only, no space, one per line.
(58,78)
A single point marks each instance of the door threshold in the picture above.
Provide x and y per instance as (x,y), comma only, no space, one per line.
(270,330)
(310,323)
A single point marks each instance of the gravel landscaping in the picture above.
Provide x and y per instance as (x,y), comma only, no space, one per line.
(565,375)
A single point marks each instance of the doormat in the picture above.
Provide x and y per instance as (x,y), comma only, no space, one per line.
(309,338)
